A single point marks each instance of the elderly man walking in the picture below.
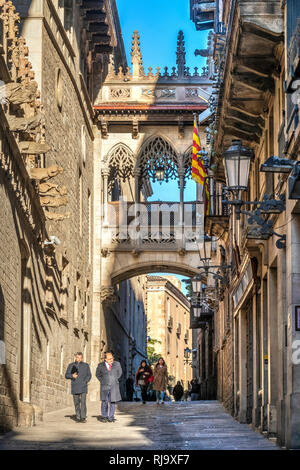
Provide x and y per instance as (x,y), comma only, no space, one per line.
(79,373)
(109,373)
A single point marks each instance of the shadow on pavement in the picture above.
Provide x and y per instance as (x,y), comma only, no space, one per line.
(172,426)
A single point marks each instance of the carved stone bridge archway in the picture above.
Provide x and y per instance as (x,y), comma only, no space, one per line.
(146,125)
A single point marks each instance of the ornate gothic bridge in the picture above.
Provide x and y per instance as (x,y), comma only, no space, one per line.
(146,122)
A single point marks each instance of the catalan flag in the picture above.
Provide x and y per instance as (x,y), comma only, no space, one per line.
(199,173)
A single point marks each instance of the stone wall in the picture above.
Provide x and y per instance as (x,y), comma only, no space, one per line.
(45,293)
(65,130)
(10,303)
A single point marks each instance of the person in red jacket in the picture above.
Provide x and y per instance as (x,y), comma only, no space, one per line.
(143,378)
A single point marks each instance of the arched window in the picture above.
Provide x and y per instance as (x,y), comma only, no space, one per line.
(158,158)
(121,166)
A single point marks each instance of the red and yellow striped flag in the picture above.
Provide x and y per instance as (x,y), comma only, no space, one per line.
(199,173)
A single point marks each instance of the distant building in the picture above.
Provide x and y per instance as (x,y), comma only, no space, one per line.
(168,317)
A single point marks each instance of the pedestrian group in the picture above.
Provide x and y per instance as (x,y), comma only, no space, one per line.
(109,373)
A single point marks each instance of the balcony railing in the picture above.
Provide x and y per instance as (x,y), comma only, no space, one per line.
(218,218)
(217,208)
(151,225)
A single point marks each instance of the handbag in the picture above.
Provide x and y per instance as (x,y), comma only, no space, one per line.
(151,378)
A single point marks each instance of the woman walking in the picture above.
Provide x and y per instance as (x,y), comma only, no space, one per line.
(142,378)
(160,381)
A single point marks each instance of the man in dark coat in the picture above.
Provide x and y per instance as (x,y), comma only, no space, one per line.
(109,373)
(79,373)
(195,390)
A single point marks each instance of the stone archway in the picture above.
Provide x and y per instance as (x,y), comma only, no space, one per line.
(143,267)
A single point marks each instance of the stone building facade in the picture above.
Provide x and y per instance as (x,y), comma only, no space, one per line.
(168,322)
(47,200)
(256,329)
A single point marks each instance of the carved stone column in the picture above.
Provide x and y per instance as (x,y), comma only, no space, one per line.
(105,174)
(181,173)
(137,174)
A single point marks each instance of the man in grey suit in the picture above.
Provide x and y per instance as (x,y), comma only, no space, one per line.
(79,373)
(109,373)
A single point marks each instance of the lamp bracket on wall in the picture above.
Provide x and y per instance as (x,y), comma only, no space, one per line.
(216,276)
(266,226)
(266,206)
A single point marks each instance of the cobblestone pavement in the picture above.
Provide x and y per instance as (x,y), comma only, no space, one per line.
(176,426)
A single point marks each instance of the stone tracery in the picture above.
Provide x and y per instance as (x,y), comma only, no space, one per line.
(155,154)
(120,163)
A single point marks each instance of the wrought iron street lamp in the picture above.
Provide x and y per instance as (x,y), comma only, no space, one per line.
(237,165)
(202,311)
(187,353)
(205,249)
(283,165)
(187,356)
(197,284)
(275,164)
(197,311)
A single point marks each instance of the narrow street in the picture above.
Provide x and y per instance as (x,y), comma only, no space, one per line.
(174,426)
(150,243)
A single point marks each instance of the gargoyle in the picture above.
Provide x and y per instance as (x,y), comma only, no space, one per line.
(49,189)
(51,201)
(202,52)
(57,217)
(33,148)
(42,174)
(16,93)
(21,124)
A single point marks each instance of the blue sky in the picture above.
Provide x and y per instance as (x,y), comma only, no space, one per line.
(158,23)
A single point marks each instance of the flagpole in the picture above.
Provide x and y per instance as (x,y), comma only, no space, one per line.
(198,186)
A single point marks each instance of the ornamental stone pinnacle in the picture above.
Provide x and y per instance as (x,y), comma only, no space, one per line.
(180,54)
(136,56)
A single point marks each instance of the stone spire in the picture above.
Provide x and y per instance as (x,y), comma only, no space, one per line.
(136,56)
(180,55)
